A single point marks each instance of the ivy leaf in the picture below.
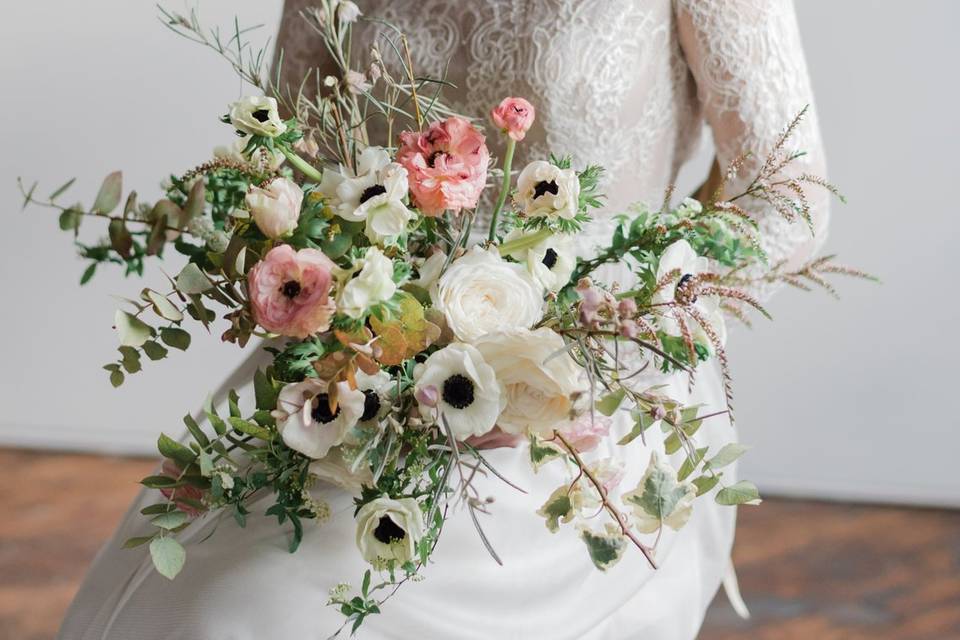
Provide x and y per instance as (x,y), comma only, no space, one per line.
(558,508)
(605,548)
(542,452)
(743,492)
(660,499)
(109,195)
(168,556)
(133,331)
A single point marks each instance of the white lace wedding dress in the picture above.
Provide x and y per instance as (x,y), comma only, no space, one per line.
(627,84)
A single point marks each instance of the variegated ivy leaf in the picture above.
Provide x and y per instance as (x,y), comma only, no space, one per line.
(542,452)
(558,508)
(660,499)
(606,547)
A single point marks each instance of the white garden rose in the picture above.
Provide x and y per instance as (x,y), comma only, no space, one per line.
(305,421)
(334,469)
(275,208)
(373,285)
(681,257)
(551,261)
(538,382)
(546,190)
(660,499)
(389,530)
(257,115)
(463,388)
(481,293)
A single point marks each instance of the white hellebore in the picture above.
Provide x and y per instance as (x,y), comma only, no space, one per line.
(305,421)
(257,115)
(464,389)
(389,529)
(275,208)
(480,293)
(551,261)
(660,499)
(681,257)
(375,194)
(546,190)
(539,383)
(373,285)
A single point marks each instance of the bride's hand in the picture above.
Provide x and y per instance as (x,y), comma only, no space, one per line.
(495,439)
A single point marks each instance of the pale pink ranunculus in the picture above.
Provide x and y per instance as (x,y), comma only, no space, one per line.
(186,498)
(513,116)
(275,208)
(290,291)
(586,432)
(446,165)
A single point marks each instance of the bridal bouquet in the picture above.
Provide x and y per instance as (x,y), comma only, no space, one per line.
(402,342)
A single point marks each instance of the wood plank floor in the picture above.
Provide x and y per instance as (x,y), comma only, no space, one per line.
(808,570)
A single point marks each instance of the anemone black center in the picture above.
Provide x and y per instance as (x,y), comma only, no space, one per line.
(372,192)
(458,391)
(261,115)
(291,289)
(388,531)
(371,404)
(550,258)
(543,187)
(432,160)
(321,409)
(686,289)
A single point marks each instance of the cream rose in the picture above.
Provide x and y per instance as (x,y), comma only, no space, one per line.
(275,208)
(389,530)
(257,115)
(546,190)
(480,293)
(538,382)
(373,285)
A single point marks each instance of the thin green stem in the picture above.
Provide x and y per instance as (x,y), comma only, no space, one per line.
(300,164)
(525,241)
(504,188)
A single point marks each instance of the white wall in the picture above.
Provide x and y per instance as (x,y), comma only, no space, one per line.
(848,399)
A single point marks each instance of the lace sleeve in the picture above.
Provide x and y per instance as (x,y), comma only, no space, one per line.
(752,80)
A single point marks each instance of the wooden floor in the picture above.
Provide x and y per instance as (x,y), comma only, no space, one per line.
(809,571)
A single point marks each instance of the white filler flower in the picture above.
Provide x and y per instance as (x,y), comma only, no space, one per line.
(465,387)
(551,261)
(480,293)
(681,257)
(257,115)
(373,285)
(389,529)
(546,190)
(539,383)
(305,421)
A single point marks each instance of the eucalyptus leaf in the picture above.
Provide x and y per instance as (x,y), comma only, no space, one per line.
(170,520)
(175,337)
(133,331)
(120,238)
(109,195)
(168,556)
(192,280)
(154,350)
(162,305)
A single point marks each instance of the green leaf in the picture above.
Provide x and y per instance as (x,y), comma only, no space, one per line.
(136,542)
(727,455)
(61,189)
(193,208)
(250,428)
(160,482)
(160,507)
(70,220)
(672,443)
(162,306)
(170,448)
(206,464)
(192,280)
(196,431)
(154,350)
(611,402)
(175,337)
(109,195)
(170,520)
(642,421)
(264,391)
(133,331)
(131,359)
(88,273)
(662,492)
(542,452)
(116,378)
(157,237)
(168,556)
(558,508)
(705,483)
(690,463)
(605,549)
(743,492)
(120,238)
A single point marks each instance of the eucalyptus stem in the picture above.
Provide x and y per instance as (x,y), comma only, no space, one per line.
(504,188)
(300,164)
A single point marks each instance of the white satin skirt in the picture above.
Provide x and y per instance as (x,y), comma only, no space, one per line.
(243,584)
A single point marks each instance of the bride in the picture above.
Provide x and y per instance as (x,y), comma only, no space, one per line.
(627,84)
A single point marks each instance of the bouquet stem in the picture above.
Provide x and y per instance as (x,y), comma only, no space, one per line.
(300,164)
(504,188)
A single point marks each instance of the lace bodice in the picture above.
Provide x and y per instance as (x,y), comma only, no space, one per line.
(627,84)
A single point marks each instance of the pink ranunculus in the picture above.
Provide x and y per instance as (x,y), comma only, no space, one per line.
(586,432)
(290,291)
(446,165)
(513,116)
(186,498)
